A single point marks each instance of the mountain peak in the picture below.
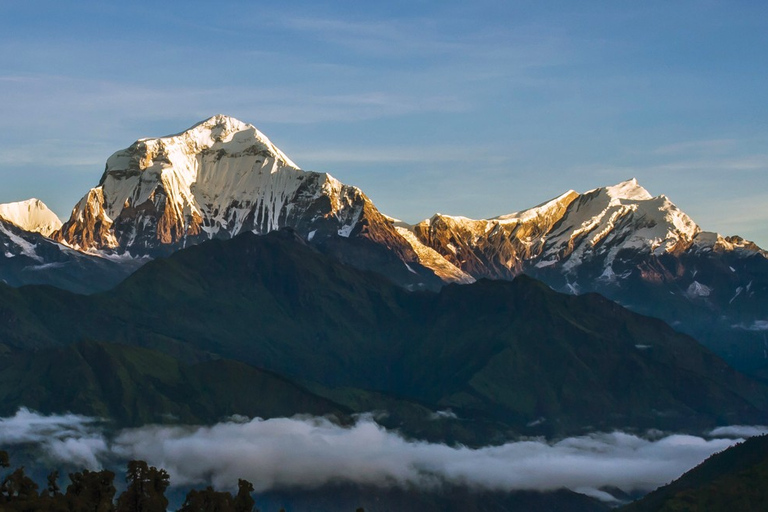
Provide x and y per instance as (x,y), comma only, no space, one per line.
(216,179)
(203,136)
(31,215)
(221,120)
(629,189)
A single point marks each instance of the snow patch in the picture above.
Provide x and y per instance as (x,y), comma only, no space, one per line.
(27,248)
(696,289)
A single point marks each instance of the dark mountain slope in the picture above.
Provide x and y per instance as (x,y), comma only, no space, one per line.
(510,352)
(272,301)
(542,356)
(446,499)
(735,479)
(31,258)
(136,386)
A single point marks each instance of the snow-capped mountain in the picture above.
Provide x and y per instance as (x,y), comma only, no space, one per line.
(220,178)
(603,225)
(31,215)
(223,177)
(639,250)
(603,234)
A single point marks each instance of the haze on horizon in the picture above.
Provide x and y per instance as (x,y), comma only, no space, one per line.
(473,109)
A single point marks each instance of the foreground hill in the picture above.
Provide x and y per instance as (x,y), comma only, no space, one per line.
(514,353)
(735,479)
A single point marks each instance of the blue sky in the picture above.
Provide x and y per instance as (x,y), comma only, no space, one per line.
(472,108)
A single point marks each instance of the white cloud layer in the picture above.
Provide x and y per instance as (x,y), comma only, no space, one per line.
(310,452)
(68,437)
(740,431)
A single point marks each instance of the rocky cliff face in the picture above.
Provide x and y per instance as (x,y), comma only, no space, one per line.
(220,178)
(606,234)
(639,250)
(493,248)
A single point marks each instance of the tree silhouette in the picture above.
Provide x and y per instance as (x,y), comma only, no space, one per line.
(19,491)
(91,491)
(208,500)
(17,485)
(94,491)
(146,489)
(243,500)
(53,488)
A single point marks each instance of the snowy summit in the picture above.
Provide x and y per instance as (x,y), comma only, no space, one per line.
(31,215)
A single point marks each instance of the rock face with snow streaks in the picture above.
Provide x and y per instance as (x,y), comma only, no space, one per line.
(494,248)
(220,178)
(567,233)
(639,250)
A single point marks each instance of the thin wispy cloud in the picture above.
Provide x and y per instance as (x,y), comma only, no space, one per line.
(756,326)
(55,152)
(388,154)
(740,431)
(711,146)
(758,162)
(76,98)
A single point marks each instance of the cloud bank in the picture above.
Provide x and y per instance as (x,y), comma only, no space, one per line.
(307,452)
(67,438)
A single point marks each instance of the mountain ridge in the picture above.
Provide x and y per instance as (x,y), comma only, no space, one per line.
(222,177)
(505,352)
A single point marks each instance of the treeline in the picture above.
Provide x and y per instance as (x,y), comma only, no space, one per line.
(94,491)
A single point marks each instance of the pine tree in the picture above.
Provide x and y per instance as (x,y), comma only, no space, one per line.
(91,491)
(146,489)
(243,501)
(208,500)
(53,488)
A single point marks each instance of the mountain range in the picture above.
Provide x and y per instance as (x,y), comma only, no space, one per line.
(516,354)
(223,177)
(207,275)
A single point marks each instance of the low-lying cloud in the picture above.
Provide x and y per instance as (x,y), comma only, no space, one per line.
(309,452)
(739,431)
(757,325)
(67,438)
